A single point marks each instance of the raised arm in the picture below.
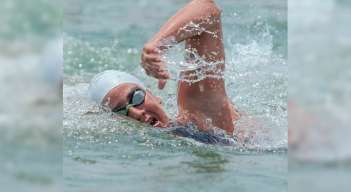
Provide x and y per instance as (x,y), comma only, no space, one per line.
(195,18)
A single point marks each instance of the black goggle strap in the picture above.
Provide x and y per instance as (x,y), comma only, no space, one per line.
(124,111)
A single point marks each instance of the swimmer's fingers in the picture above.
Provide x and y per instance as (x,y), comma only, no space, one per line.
(155,67)
(150,71)
(147,62)
(150,62)
(150,48)
(159,74)
(163,75)
(152,68)
(153,64)
(151,58)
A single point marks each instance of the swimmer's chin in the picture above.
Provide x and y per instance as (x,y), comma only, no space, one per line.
(160,121)
(159,124)
(156,121)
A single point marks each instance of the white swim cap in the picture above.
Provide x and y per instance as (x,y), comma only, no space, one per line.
(104,82)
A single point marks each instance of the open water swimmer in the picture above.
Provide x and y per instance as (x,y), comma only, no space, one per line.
(200,101)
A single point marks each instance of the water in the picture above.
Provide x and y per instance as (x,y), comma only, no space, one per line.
(31,109)
(30,142)
(319,114)
(108,153)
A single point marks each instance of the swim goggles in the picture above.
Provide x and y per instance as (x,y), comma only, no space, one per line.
(137,98)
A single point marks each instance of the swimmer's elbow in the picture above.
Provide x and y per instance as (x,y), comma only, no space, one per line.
(208,8)
(213,10)
(216,12)
(210,16)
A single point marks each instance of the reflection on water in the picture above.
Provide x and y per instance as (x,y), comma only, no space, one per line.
(207,161)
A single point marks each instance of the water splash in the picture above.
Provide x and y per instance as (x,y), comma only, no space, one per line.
(255,76)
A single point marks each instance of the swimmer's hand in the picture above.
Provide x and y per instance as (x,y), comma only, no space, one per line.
(152,63)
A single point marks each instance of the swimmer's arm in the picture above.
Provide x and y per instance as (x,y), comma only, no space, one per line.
(192,20)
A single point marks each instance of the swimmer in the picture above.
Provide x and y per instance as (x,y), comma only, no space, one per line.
(199,25)
(124,94)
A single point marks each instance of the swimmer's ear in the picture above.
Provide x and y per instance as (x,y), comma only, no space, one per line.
(162,83)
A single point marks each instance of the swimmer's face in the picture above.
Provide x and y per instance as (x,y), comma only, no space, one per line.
(150,111)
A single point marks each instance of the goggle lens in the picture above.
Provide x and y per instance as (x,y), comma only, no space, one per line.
(137,99)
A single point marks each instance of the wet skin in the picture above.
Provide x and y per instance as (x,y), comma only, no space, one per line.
(150,112)
(207,98)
